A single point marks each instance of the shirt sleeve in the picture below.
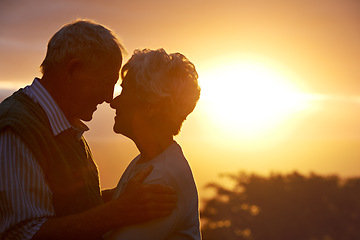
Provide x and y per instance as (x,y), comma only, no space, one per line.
(25,197)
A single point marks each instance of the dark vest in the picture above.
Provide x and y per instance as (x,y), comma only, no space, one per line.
(65,159)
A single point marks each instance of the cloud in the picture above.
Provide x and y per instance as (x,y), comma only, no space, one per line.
(20,44)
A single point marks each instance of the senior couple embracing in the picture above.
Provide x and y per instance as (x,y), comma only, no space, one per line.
(49,184)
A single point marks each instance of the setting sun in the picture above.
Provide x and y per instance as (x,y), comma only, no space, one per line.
(249,97)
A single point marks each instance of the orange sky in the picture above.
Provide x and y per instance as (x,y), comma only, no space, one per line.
(317,41)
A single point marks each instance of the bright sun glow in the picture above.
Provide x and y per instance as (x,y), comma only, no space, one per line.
(248,97)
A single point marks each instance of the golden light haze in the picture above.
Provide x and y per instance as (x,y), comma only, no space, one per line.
(280,79)
(240,93)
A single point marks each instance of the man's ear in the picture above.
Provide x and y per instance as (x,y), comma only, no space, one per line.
(72,67)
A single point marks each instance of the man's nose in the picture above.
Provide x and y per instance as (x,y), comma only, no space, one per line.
(109,96)
(114,102)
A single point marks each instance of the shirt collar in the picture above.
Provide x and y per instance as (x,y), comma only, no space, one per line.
(57,119)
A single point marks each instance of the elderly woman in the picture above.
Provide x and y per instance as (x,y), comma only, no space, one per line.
(158,92)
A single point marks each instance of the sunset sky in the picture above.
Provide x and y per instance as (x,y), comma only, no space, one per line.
(280,79)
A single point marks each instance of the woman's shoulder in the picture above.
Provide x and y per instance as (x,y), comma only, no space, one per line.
(174,168)
(172,161)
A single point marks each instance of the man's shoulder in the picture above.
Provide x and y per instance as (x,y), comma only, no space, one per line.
(20,111)
(18,103)
(14,103)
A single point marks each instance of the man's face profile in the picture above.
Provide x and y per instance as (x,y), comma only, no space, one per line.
(91,86)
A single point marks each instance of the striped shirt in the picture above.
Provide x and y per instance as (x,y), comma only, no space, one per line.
(25,197)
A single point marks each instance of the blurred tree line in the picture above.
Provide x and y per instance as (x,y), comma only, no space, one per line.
(283,207)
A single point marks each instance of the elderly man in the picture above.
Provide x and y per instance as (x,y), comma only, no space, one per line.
(49,186)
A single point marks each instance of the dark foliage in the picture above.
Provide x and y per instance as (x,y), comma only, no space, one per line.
(283,207)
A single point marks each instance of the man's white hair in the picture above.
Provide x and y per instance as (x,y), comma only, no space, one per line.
(170,78)
(83,39)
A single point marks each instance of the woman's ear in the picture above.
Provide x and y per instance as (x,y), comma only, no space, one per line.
(154,109)
(159,109)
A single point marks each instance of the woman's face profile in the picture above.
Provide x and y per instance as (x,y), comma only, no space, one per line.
(129,110)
